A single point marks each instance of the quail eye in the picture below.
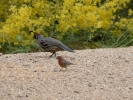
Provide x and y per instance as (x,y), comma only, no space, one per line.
(35,36)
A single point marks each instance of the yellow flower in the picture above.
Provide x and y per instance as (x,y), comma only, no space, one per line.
(106,24)
(88,2)
(27,1)
(62,16)
(74,24)
(15,43)
(13,9)
(99,24)
(37,5)
(130,12)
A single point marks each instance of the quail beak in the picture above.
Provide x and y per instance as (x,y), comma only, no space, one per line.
(30,32)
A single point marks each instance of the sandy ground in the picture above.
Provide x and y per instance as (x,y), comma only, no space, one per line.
(98,74)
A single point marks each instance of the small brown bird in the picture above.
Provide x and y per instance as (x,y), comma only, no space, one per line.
(62,62)
(50,44)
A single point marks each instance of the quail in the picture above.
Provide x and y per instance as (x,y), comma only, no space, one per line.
(50,44)
(62,62)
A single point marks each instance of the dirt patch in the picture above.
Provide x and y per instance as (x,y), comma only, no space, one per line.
(98,74)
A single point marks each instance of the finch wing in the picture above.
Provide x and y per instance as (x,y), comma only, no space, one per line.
(66,62)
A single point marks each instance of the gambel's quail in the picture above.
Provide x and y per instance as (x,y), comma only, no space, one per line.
(50,44)
(62,62)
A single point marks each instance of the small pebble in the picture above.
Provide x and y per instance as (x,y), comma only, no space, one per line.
(90,84)
(0,54)
(127,60)
(115,62)
(88,61)
(35,71)
(35,61)
(76,91)
(21,59)
(119,57)
(6,56)
(26,64)
(130,88)
(105,66)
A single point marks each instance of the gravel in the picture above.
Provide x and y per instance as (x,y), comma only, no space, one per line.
(97,74)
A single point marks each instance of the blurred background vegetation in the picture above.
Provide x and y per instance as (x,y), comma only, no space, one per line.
(79,24)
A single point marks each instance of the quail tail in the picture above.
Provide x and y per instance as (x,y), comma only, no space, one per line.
(62,46)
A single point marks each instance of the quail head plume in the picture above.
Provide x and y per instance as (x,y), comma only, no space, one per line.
(50,44)
(62,62)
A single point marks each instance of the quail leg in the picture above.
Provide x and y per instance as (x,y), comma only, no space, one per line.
(54,53)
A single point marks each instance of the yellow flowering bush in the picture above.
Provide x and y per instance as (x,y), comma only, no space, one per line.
(61,18)
(15,28)
(87,15)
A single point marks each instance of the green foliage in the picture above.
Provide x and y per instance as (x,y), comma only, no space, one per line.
(79,24)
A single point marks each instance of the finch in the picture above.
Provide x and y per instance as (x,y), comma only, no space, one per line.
(62,62)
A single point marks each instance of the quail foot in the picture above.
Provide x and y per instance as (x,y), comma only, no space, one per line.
(50,44)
